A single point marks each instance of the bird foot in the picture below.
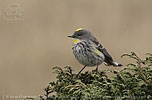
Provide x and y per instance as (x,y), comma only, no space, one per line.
(95,71)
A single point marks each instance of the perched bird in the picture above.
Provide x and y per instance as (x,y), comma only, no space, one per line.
(88,51)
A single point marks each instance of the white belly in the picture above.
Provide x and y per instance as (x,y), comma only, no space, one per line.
(85,56)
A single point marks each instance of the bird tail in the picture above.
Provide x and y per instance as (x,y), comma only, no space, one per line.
(116,64)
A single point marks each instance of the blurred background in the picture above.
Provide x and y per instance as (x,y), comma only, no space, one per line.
(33,37)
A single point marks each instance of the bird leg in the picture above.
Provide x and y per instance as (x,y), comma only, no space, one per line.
(96,70)
(81,70)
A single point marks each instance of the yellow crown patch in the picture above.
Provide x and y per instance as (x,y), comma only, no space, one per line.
(79,29)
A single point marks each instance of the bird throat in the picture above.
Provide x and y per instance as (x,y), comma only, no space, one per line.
(76,40)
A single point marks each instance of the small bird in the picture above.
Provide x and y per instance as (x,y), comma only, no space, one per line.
(88,51)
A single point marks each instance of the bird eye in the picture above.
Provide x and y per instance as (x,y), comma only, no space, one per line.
(79,34)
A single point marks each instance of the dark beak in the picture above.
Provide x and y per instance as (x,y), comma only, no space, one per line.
(71,36)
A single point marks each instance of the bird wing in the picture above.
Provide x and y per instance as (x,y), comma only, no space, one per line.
(108,58)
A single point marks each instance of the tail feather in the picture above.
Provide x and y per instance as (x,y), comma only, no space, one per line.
(116,64)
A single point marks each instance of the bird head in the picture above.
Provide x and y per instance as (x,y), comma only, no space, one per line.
(80,34)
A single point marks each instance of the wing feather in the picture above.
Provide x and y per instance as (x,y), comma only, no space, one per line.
(108,58)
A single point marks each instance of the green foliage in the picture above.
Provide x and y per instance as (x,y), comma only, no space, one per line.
(133,82)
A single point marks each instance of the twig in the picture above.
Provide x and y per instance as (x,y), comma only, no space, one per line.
(139,62)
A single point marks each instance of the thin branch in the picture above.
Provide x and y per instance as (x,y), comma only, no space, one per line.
(139,62)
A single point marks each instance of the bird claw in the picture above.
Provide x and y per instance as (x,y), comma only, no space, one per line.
(95,71)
